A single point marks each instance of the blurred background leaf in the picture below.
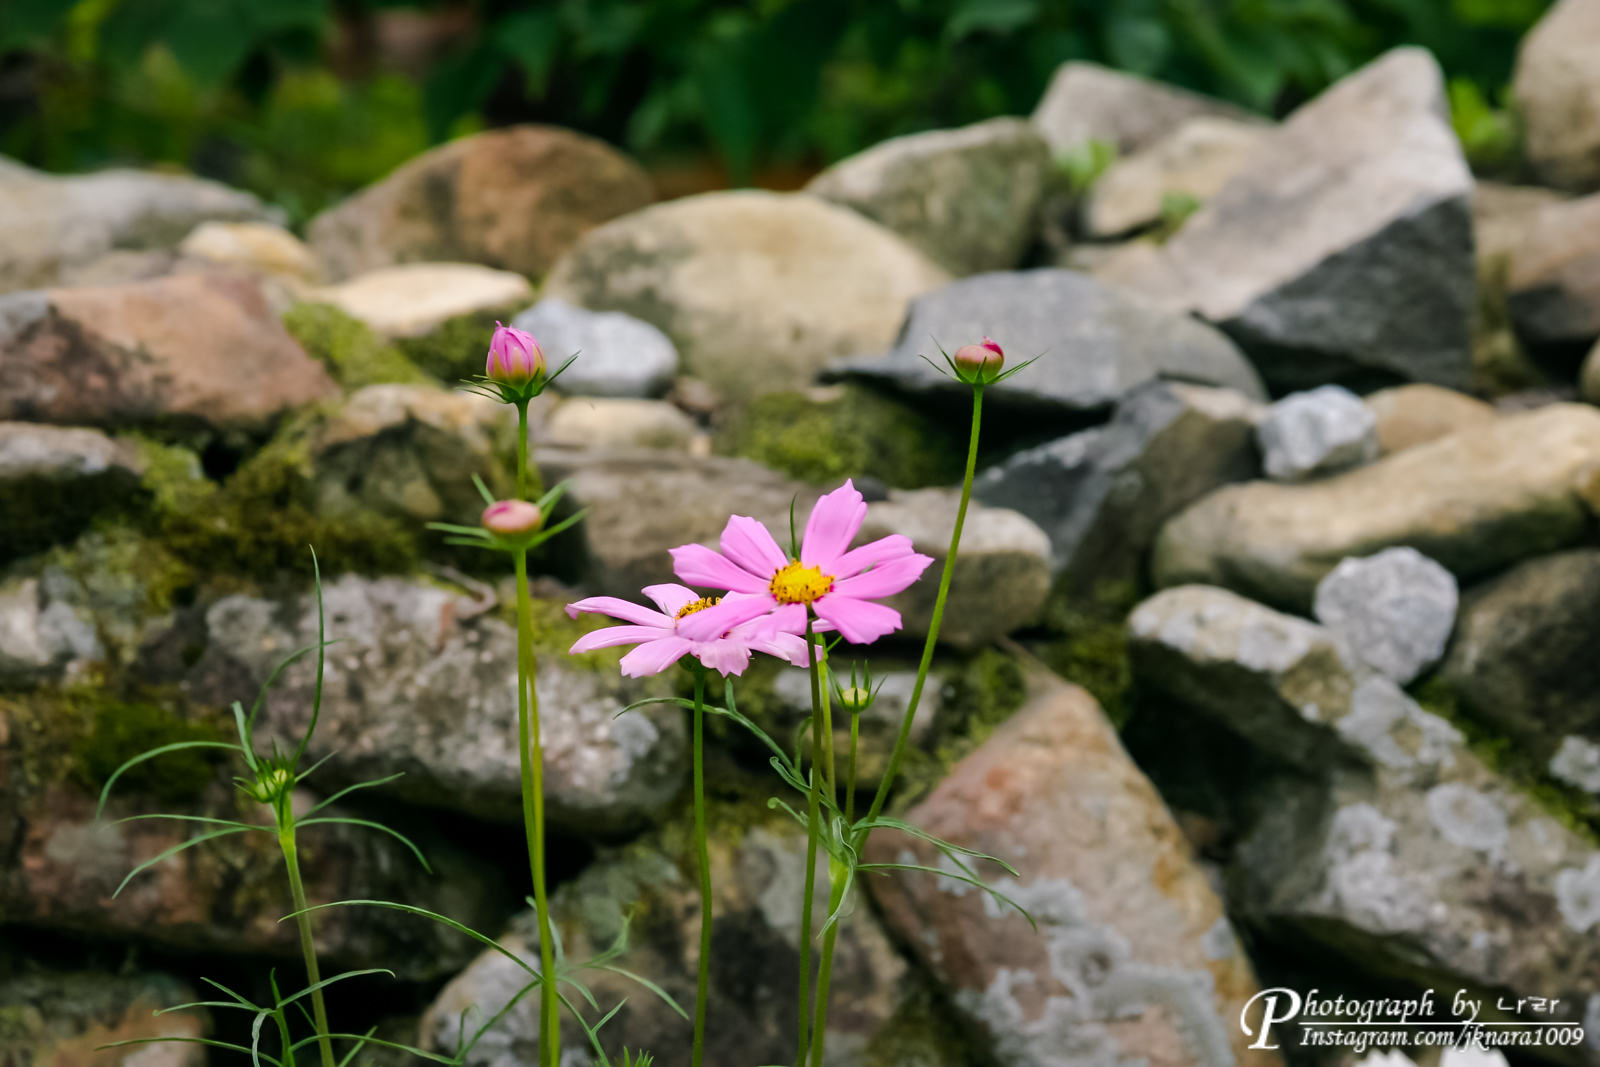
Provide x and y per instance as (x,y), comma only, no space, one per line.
(303,101)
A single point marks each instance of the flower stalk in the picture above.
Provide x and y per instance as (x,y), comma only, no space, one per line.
(703,978)
(297,890)
(813,818)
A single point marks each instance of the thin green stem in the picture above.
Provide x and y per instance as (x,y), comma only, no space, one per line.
(532,758)
(297,890)
(819,1031)
(704,979)
(813,817)
(283,1036)
(850,773)
(893,767)
(522,450)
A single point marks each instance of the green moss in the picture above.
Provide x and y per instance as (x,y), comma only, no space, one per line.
(1572,807)
(977,695)
(1092,647)
(922,1032)
(262,521)
(456,349)
(352,352)
(122,731)
(860,432)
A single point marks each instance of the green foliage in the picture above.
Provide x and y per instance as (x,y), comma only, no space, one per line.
(858,433)
(353,354)
(260,521)
(242,88)
(123,730)
(1489,136)
(1081,165)
(456,349)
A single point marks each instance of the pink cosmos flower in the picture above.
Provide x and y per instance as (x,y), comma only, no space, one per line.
(515,357)
(661,643)
(834,581)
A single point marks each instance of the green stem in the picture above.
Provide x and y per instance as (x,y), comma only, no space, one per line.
(850,773)
(302,919)
(522,450)
(813,817)
(704,979)
(895,756)
(533,815)
(820,1030)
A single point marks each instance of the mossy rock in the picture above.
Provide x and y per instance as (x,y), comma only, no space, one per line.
(853,432)
(977,695)
(1091,646)
(352,352)
(456,349)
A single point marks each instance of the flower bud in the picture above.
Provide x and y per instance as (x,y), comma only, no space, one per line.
(515,357)
(983,359)
(512,517)
(855,700)
(271,785)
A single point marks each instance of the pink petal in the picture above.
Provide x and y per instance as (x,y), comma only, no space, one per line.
(620,609)
(612,636)
(834,523)
(698,565)
(712,623)
(723,656)
(886,579)
(788,618)
(860,621)
(653,657)
(786,647)
(671,597)
(750,545)
(882,550)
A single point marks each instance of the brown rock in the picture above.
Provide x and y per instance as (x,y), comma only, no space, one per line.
(1557,87)
(1416,414)
(188,349)
(515,198)
(1134,958)
(1554,274)
(66,1019)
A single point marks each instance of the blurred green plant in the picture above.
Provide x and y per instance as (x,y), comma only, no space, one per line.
(245,89)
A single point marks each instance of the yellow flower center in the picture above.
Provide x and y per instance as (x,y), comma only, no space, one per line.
(796,584)
(697,605)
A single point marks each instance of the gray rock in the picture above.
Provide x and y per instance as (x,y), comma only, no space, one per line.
(1002,572)
(1553,281)
(1320,431)
(967,198)
(1093,342)
(757,290)
(1523,656)
(756,878)
(50,225)
(1102,494)
(424,682)
(53,481)
(1132,950)
(57,1017)
(618,355)
(41,637)
(1345,250)
(1476,502)
(1385,842)
(1195,160)
(1086,101)
(1392,611)
(1577,763)
(1557,90)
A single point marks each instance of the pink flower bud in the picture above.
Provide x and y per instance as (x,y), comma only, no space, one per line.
(511,517)
(515,357)
(985,358)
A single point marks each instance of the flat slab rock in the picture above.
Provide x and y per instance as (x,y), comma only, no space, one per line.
(1086,101)
(424,682)
(1386,841)
(757,290)
(1476,501)
(1344,250)
(188,349)
(1134,958)
(54,480)
(413,299)
(1093,343)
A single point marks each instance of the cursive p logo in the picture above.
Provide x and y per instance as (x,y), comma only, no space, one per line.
(1270,1013)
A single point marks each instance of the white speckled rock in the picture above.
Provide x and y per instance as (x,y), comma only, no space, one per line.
(54,480)
(424,681)
(618,355)
(1381,841)
(414,298)
(41,637)
(1392,611)
(1134,958)
(967,198)
(1320,431)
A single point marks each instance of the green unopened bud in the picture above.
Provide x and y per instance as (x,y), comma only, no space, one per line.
(271,786)
(855,700)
